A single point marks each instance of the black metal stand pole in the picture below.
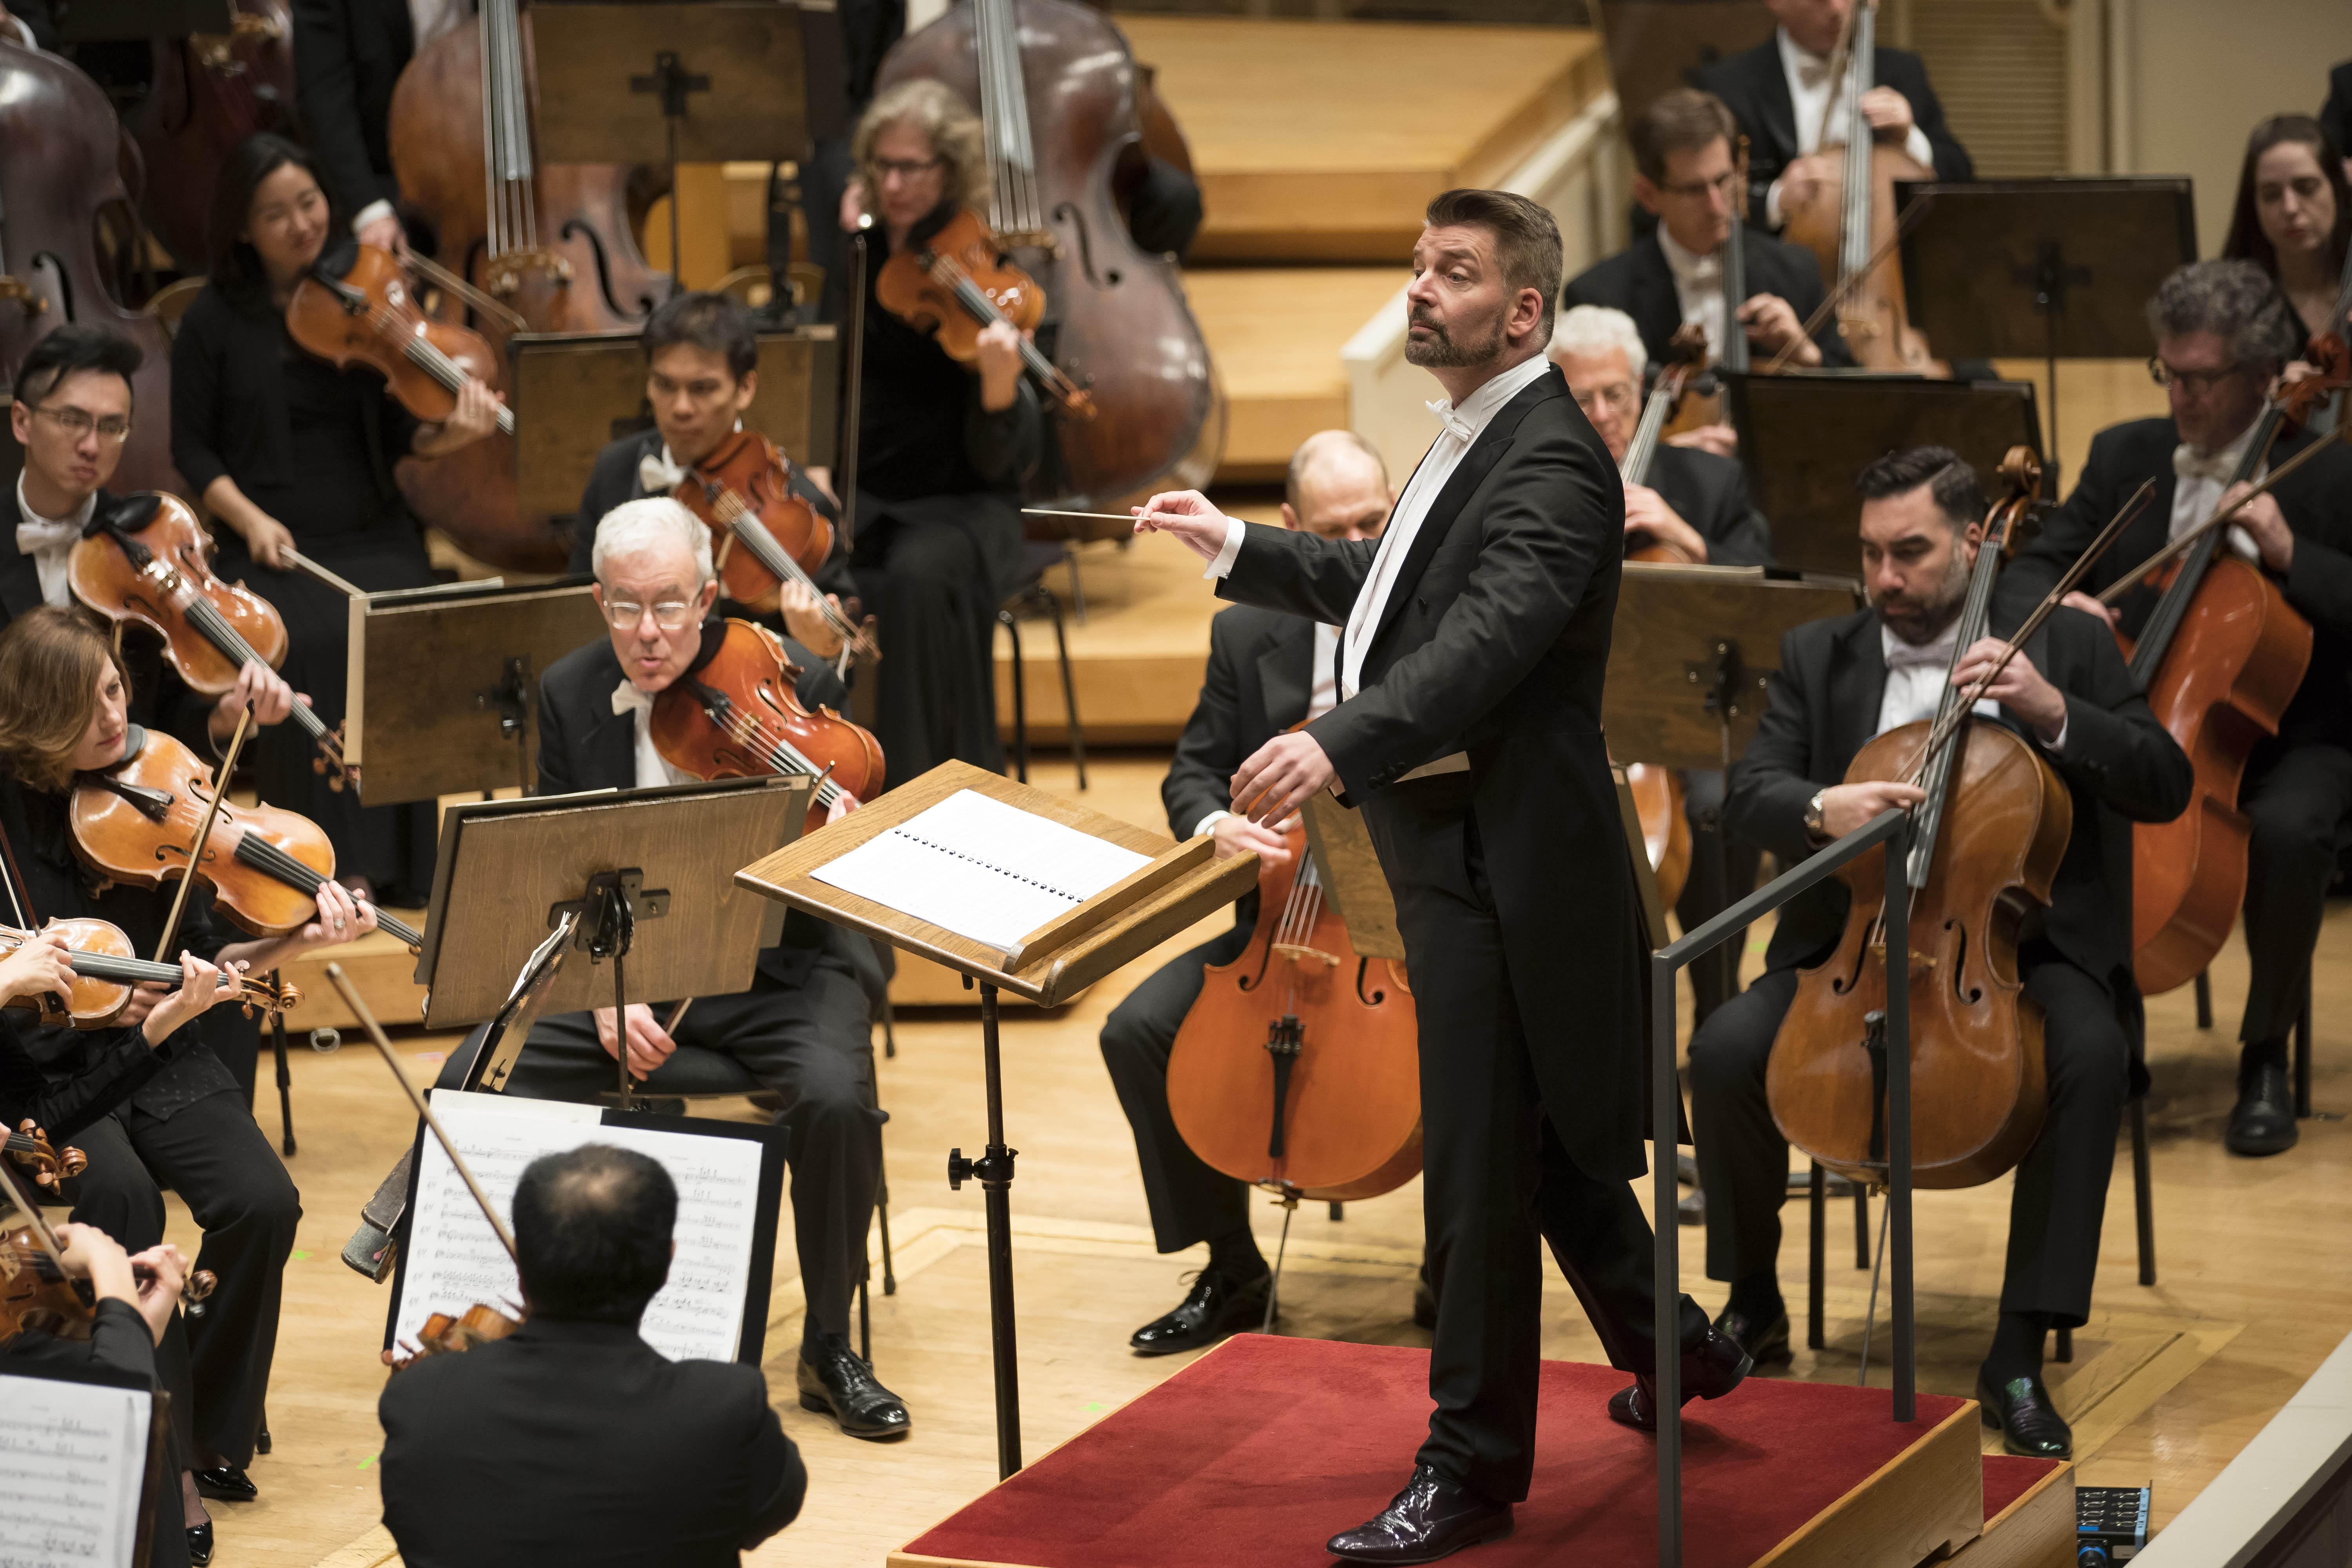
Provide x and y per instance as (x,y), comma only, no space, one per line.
(994,1171)
(1898,1117)
(285,1078)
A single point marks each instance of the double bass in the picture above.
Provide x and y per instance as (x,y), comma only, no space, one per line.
(209,93)
(1985,847)
(1056,88)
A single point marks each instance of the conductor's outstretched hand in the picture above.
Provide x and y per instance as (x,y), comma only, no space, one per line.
(1185,515)
(1275,779)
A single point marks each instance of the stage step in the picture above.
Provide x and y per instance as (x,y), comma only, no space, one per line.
(1276,333)
(379,968)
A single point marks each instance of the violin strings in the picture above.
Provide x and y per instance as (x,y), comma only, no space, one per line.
(775,751)
(741,521)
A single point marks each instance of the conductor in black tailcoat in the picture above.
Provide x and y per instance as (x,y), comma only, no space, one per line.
(1468,731)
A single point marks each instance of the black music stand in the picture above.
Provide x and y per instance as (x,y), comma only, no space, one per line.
(1803,436)
(116,21)
(1655,45)
(2055,269)
(576,392)
(444,684)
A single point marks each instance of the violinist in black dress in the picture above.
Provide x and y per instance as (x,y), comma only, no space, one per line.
(288,452)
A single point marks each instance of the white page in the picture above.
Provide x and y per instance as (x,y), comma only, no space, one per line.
(454,1258)
(73,1460)
(981,868)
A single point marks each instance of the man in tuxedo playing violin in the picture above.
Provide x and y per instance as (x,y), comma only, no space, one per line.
(1781,92)
(1842,682)
(1468,730)
(1686,173)
(802,1030)
(2223,333)
(1266,671)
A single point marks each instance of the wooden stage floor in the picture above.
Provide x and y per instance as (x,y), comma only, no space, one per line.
(2255,1262)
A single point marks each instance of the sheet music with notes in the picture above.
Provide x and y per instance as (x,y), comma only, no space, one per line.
(981,868)
(73,1463)
(453,1258)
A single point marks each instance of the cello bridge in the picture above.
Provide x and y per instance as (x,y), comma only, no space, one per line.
(1044,239)
(1299,953)
(1920,962)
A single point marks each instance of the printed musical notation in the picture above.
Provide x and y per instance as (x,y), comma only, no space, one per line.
(73,1460)
(454,1259)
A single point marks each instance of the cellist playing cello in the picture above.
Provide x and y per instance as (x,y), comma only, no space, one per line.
(1841,682)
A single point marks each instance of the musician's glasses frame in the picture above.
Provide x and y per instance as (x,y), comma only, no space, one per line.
(669,615)
(115,430)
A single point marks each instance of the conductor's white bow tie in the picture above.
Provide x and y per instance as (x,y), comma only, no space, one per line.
(1455,426)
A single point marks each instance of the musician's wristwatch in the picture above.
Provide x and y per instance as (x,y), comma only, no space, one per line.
(1813,824)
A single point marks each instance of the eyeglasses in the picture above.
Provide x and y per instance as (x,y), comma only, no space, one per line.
(671,614)
(1728,182)
(905,168)
(116,430)
(1618,397)
(2196,383)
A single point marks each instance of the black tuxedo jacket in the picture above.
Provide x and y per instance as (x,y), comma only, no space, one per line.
(2120,766)
(1259,679)
(615,479)
(2316,502)
(1493,640)
(585,746)
(1753,85)
(1638,281)
(1710,493)
(578,1443)
(348,54)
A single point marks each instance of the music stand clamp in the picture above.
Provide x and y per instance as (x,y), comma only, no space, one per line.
(609,913)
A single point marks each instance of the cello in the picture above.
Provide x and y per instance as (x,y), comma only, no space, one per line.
(1985,847)
(1684,355)
(1706,404)
(531,247)
(1055,84)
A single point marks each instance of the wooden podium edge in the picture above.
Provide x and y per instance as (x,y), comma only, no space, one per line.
(1927,1501)
(2035,1530)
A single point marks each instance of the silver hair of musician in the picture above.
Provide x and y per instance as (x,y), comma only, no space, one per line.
(1587,329)
(652,522)
(2237,302)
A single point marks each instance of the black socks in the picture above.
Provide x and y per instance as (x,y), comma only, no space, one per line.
(2258,1053)
(1236,1255)
(1757,1297)
(2016,1347)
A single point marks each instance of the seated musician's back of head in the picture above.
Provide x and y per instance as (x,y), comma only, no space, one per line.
(605,1450)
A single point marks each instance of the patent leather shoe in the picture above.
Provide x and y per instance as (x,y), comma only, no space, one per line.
(1432,1517)
(1213,1308)
(227,1483)
(837,1381)
(200,1544)
(1710,1370)
(2263,1121)
(1765,1342)
(2030,1424)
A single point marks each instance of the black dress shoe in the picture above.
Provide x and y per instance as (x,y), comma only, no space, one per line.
(2263,1121)
(835,1380)
(1713,1369)
(1213,1308)
(1765,1342)
(1432,1517)
(200,1544)
(2028,1422)
(227,1483)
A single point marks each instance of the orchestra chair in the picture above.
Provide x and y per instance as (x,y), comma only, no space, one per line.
(1037,558)
(172,301)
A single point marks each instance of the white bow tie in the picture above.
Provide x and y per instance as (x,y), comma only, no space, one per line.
(2188,463)
(1901,655)
(1811,70)
(1455,426)
(658,474)
(627,698)
(37,534)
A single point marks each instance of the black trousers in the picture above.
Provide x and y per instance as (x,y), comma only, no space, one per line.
(1190,1202)
(2300,798)
(1722,872)
(2060,1195)
(927,580)
(211,1154)
(1495,1176)
(811,1044)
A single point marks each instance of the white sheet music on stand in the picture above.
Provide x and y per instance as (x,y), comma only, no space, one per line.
(981,868)
(73,1461)
(453,1261)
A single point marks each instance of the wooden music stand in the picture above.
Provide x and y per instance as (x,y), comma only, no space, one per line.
(444,685)
(1182,884)
(1353,877)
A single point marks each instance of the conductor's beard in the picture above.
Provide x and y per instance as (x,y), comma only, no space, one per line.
(1438,349)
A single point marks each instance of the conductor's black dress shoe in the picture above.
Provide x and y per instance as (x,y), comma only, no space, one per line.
(1765,1342)
(1432,1517)
(1214,1306)
(227,1483)
(2263,1121)
(2030,1424)
(1711,1369)
(837,1381)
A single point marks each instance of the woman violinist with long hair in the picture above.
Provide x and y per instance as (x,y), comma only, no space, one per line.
(288,452)
(63,703)
(942,449)
(2293,220)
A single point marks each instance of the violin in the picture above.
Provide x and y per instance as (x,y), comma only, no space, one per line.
(137,821)
(1299,1067)
(36,1292)
(1684,355)
(1986,844)
(145,561)
(733,714)
(356,305)
(959,279)
(741,490)
(48,1163)
(106,967)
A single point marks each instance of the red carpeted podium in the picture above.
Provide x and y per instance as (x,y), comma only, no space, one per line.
(1255,1453)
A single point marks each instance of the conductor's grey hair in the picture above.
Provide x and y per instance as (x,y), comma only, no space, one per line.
(652,524)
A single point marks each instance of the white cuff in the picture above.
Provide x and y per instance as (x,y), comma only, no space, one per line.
(2059,745)
(1223,564)
(1207,822)
(1921,150)
(369,213)
(1772,206)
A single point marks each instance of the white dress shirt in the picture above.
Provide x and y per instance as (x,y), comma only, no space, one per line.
(1698,290)
(1322,696)
(1914,683)
(49,540)
(1812,95)
(2199,479)
(652,770)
